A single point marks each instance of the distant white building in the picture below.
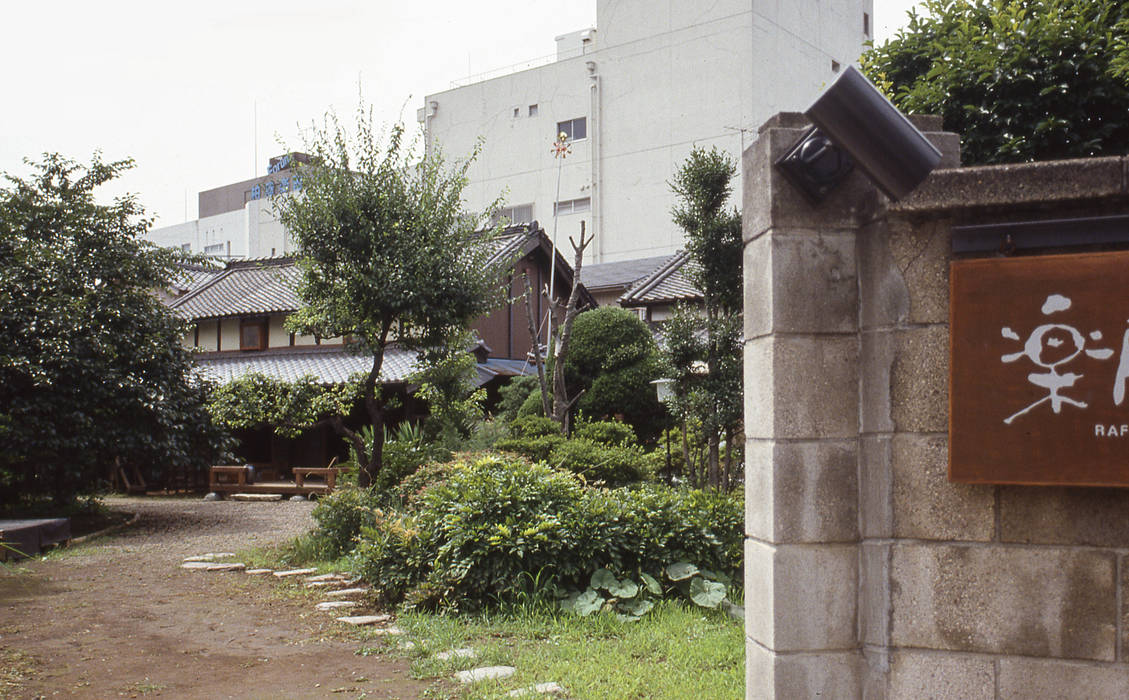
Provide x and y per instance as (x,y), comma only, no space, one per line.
(237,221)
(635,94)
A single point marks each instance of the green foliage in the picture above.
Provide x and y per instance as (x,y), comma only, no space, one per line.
(630,600)
(606,432)
(340,517)
(612,358)
(92,370)
(1019,80)
(257,400)
(454,403)
(404,455)
(611,465)
(703,345)
(468,537)
(514,394)
(532,436)
(387,253)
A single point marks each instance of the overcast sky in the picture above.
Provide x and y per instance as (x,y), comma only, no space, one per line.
(185,88)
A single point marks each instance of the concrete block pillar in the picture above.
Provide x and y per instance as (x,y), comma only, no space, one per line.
(802,556)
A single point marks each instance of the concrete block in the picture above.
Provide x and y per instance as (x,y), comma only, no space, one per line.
(1078,516)
(884,296)
(769,200)
(801,597)
(758,287)
(814,282)
(939,676)
(1047,602)
(876,479)
(802,492)
(1021,679)
(919,380)
(920,252)
(759,381)
(1017,185)
(801,387)
(926,504)
(874,594)
(877,351)
(835,675)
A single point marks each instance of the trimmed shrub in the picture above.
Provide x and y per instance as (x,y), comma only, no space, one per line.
(613,465)
(606,432)
(472,536)
(340,517)
(533,437)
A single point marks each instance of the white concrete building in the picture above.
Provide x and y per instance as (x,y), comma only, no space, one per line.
(636,93)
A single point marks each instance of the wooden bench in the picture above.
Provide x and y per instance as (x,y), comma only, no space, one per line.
(233,479)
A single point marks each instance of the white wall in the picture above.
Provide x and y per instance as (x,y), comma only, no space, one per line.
(666,75)
(250,232)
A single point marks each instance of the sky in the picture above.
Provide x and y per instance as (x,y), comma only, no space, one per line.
(201,94)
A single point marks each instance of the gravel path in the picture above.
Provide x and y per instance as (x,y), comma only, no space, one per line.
(118,617)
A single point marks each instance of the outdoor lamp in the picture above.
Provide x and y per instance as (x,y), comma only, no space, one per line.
(854,124)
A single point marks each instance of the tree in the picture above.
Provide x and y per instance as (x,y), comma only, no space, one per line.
(388,255)
(703,346)
(92,370)
(611,364)
(1019,80)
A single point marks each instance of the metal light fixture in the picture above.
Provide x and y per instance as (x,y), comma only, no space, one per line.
(856,125)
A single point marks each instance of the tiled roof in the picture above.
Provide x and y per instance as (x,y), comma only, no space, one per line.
(623,273)
(667,284)
(245,287)
(331,365)
(191,278)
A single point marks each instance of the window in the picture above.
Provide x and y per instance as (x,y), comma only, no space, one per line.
(517,112)
(520,214)
(214,249)
(533,110)
(574,129)
(253,334)
(186,247)
(866,23)
(835,66)
(573,206)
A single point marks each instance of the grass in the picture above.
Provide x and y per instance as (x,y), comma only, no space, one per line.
(675,652)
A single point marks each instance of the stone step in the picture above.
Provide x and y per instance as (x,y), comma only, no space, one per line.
(484,673)
(259,572)
(256,497)
(233,566)
(465,653)
(365,619)
(325,577)
(210,556)
(539,689)
(336,605)
(199,565)
(294,572)
(346,592)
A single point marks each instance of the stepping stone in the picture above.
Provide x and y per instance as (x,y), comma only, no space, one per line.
(322,584)
(346,592)
(385,631)
(234,566)
(259,572)
(210,556)
(485,673)
(201,565)
(539,689)
(336,605)
(466,653)
(364,619)
(256,497)
(294,572)
(407,645)
(324,577)
(298,498)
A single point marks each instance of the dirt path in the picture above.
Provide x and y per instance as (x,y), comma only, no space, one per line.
(120,618)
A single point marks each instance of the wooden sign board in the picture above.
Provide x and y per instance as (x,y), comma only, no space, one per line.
(1039,374)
